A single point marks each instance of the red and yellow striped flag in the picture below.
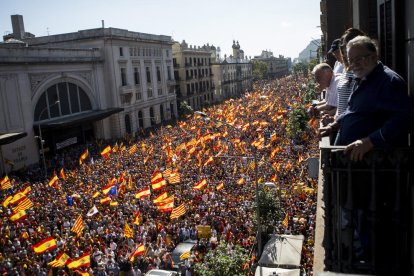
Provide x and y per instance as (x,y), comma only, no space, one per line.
(159,184)
(136,218)
(45,245)
(83,156)
(143,193)
(128,231)
(5,183)
(6,202)
(78,226)
(200,184)
(54,181)
(62,174)
(166,207)
(220,186)
(106,151)
(178,211)
(160,198)
(23,205)
(18,216)
(174,178)
(60,260)
(209,161)
(138,251)
(83,260)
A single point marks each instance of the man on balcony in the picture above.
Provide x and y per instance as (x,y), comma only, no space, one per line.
(380,112)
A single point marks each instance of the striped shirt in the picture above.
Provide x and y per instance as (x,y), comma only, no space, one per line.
(345,86)
(331,92)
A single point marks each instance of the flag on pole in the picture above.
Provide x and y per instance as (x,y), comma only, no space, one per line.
(18,216)
(60,260)
(132,149)
(105,200)
(158,184)
(178,211)
(78,226)
(220,186)
(83,156)
(166,207)
(160,198)
(143,193)
(62,174)
(6,202)
(106,152)
(136,218)
(83,260)
(23,205)
(138,251)
(128,233)
(45,245)
(200,185)
(5,183)
(54,181)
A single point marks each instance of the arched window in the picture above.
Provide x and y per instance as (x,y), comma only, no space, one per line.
(152,118)
(162,112)
(61,99)
(140,119)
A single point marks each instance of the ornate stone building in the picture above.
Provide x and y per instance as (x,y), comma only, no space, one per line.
(74,87)
(276,66)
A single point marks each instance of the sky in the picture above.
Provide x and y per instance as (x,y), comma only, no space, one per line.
(284,27)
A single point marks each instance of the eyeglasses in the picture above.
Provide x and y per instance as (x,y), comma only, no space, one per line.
(357,59)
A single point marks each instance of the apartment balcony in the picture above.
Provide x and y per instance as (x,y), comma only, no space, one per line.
(188,64)
(176,65)
(189,78)
(126,89)
(368,212)
(170,82)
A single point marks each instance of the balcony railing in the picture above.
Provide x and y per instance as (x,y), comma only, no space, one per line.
(368,211)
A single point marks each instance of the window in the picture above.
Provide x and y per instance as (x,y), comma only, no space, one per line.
(159,91)
(158,74)
(188,88)
(123,77)
(147,69)
(138,96)
(121,51)
(149,92)
(167,53)
(131,52)
(136,75)
(71,99)
(169,72)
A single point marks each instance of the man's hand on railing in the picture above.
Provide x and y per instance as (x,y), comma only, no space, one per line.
(358,149)
(326,130)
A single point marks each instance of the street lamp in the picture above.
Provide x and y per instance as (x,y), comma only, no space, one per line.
(259,226)
(41,137)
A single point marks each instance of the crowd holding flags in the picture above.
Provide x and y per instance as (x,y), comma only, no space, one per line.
(45,245)
(143,197)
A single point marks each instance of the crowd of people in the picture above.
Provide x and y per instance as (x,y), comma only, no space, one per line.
(195,149)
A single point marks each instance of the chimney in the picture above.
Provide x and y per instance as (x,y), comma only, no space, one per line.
(18,26)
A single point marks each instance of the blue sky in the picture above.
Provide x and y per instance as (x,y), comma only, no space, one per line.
(283,26)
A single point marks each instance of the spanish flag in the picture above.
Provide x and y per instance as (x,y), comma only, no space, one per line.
(241,181)
(166,207)
(53,181)
(17,198)
(113,203)
(156,176)
(285,222)
(105,200)
(60,260)
(142,193)
(82,273)
(160,198)
(84,260)
(18,216)
(83,156)
(96,194)
(159,184)
(167,200)
(106,152)
(27,190)
(209,161)
(136,218)
(107,188)
(200,184)
(45,245)
(62,173)
(128,233)
(7,201)
(220,186)
(178,212)
(138,251)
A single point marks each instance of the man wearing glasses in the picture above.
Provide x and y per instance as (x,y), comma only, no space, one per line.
(379,112)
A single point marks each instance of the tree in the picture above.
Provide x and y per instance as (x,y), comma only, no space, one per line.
(270,212)
(300,68)
(297,122)
(223,261)
(184,109)
(259,69)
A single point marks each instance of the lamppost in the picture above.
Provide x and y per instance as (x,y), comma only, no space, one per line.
(259,226)
(41,137)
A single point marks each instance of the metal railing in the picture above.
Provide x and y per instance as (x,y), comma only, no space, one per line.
(368,211)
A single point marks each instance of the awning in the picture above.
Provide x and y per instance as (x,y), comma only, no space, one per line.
(91,116)
(7,138)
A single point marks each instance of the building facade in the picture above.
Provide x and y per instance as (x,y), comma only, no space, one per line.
(276,66)
(232,75)
(193,75)
(74,87)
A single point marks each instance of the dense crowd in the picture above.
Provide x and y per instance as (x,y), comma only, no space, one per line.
(185,148)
